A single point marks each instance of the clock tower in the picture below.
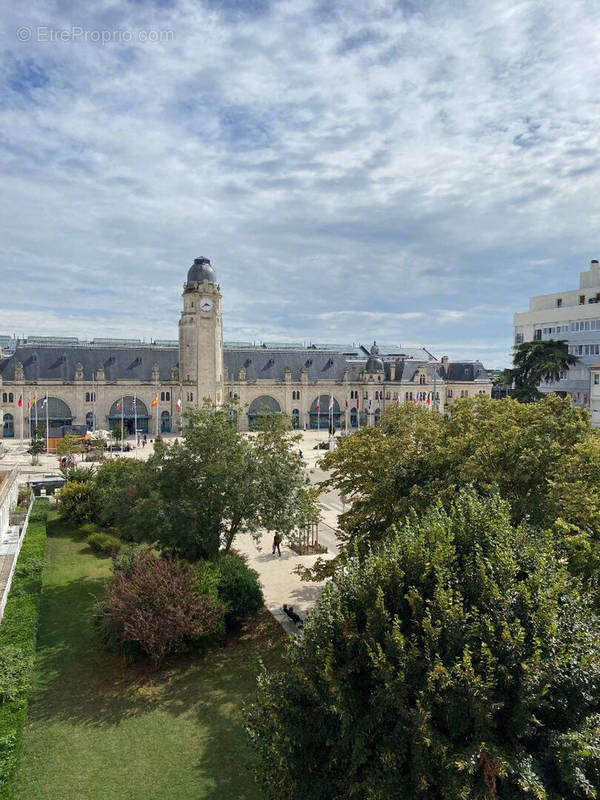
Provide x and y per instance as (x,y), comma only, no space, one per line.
(201,337)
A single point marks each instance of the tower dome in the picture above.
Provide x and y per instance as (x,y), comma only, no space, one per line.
(374,363)
(201,270)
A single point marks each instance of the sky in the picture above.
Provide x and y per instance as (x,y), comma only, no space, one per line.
(410,172)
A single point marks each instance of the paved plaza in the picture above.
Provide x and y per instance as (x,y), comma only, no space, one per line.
(280,583)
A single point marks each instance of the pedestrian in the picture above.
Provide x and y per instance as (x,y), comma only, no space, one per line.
(276,543)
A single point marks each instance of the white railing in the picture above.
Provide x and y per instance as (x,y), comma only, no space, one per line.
(15,557)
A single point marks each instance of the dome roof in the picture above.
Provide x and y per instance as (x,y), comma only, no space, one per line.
(374,363)
(201,270)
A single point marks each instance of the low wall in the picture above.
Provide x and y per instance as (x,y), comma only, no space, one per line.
(9,493)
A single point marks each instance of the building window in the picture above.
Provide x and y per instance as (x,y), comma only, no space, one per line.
(90,397)
(387,395)
(422,379)
(581,299)
(558,302)
(296,394)
(449,393)
(596,379)
(537,335)
(366,395)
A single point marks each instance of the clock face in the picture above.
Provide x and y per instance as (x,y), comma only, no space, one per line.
(206,304)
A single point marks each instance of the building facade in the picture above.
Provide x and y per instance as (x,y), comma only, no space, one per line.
(574,316)
(98,384)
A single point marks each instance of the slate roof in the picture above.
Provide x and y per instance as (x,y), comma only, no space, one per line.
(120,363)
(127,363)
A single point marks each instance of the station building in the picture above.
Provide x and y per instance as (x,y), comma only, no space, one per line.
(149,386)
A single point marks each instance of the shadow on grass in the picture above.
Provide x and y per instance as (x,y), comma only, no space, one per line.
(79,682)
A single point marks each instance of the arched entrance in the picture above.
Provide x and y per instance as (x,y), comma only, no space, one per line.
(165,422)
(131,413)
(321,416)
(8,429)
(353,418)
(89,420)
(264,404)
(56,411)
(296,419)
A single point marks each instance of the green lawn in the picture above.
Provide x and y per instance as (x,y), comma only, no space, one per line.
(98,729)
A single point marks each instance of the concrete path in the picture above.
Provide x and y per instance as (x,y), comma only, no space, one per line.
(280,583)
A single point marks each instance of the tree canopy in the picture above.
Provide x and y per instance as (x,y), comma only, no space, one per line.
(458,660)
(535,363)
(194,497)
(416,457)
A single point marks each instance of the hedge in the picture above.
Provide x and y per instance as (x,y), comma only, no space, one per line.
(18,636)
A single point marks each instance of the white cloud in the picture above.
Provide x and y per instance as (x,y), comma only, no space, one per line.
(368,169)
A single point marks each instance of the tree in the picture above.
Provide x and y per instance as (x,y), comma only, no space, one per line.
(117,486)
(535,363)
(119,433)
(37,445)
(201,494)
(416,457)
(75,501)
(69,445)
(460,660)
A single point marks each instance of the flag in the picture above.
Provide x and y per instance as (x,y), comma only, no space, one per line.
(369,405)
(134,404)
(397,402)
(346,403)
(118,406)
(34,399)
(28,403)
(20,403)
(178,404)
(154,401)
(330,402)
(428,400)
(318,407)
(44,401)
(357,401)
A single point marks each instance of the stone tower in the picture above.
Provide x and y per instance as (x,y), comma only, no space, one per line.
(201,337)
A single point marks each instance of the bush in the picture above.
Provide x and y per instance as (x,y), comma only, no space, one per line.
(75,501)
(78,474)
(154,605)
(104,543)
(18,634)
(459,660)
(238,586)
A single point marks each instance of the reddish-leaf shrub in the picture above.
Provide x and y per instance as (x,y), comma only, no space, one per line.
(155,604)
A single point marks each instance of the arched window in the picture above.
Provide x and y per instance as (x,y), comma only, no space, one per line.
(130,414)
(321,416)
(165,422)
(89,420)
(9,426)
(422,380)
(259,407)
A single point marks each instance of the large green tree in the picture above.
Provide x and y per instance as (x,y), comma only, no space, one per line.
(415,457)
(200,494)
(459,660)
(535,363)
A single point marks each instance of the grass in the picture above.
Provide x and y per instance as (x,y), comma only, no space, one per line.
(98,730)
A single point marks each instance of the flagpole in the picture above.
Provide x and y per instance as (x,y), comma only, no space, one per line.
(357,411)
(47,426)
(135,422)
(122,424)
(36,414)
(22,431)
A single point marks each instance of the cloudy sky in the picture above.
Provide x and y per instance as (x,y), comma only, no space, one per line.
(406,171)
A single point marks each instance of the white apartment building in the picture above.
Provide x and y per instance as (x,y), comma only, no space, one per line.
(574,316)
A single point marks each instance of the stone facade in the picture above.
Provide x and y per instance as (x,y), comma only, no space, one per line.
(150,386)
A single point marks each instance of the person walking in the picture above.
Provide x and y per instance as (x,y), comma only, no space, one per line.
(276,543)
